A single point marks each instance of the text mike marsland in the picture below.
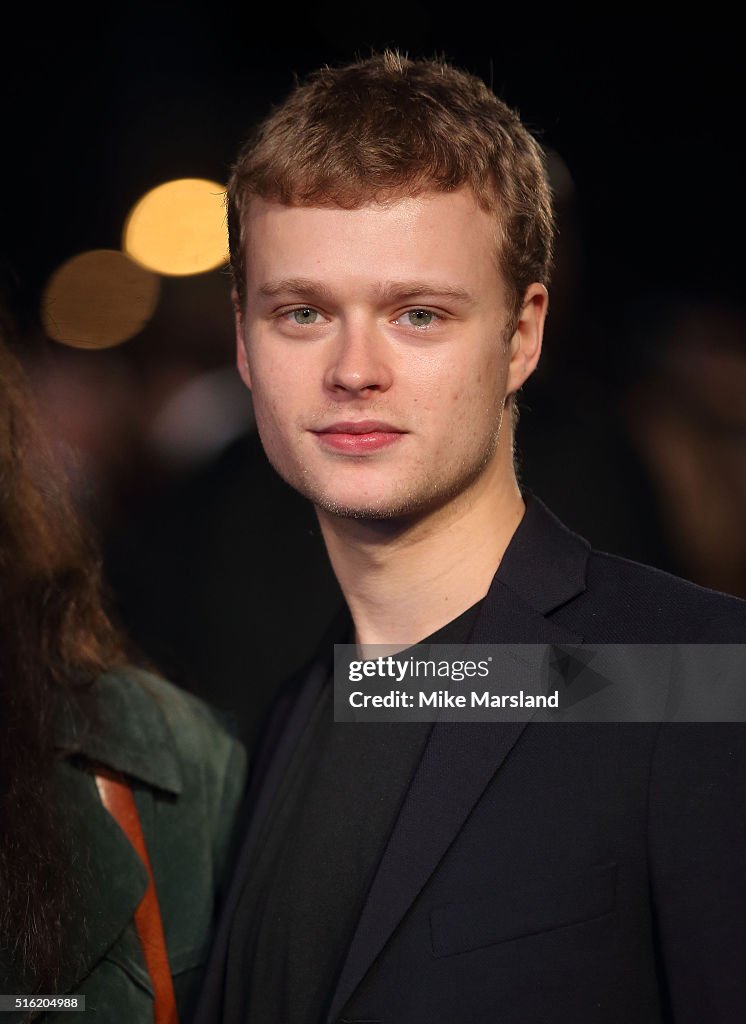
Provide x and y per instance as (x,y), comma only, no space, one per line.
(445,699)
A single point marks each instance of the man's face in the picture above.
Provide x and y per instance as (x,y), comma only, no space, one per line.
(374,342)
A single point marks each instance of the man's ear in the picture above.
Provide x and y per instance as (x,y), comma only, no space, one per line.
(525,344)
(241,360)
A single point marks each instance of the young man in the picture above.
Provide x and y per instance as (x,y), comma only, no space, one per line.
(391,237)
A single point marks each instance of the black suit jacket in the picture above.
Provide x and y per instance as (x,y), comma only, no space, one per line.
(542,872)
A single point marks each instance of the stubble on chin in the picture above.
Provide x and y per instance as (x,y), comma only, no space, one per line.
(414,500)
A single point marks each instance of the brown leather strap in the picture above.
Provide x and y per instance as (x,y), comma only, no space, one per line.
(117,798)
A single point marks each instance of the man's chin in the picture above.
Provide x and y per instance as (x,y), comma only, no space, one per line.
(386,501)
(385,509)
(370,513)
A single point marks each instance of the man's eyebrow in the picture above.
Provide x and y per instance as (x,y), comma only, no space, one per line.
(390,291)
(294,286)
(403,290)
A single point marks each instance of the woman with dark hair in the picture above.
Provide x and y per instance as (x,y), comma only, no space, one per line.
(118,792)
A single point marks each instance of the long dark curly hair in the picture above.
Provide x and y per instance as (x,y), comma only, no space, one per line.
(55,639)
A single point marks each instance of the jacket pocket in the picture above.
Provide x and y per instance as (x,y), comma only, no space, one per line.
(544,906)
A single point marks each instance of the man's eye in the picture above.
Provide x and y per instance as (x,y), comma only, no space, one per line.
(306,315)
(419,317)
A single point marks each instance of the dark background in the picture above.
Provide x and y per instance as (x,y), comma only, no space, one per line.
(647,115)
(216,569)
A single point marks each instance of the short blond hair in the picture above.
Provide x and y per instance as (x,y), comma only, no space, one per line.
(388,127)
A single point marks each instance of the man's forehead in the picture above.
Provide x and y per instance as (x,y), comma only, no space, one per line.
(432,242)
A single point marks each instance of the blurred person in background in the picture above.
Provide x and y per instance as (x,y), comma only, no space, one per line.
(572,445)
(685,410)
(118,792)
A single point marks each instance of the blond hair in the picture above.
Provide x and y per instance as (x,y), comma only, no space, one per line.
(388,127)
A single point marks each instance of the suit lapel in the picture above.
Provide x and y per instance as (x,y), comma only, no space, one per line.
(460,759)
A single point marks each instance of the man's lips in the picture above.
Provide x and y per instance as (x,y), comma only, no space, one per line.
(360,427)
(359,436)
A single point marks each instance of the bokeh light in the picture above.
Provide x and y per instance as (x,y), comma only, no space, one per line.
(98,299)
(179,228)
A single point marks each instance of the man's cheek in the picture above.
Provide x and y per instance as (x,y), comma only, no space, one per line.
(275,423)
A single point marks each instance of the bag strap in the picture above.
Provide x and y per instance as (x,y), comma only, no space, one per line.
(117,798)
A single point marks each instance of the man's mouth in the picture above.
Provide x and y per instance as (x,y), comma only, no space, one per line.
(356,437)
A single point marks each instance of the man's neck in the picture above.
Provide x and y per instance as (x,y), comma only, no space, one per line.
(403,581)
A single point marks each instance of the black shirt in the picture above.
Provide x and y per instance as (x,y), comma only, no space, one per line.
(321,844)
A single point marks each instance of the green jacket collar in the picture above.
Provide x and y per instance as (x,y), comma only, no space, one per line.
(130,735)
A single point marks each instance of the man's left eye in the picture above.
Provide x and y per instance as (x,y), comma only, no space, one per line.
(419,317)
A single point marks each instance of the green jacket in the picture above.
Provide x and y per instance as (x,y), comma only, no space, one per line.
(187,774)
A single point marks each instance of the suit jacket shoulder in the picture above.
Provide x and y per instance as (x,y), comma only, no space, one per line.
(606,599)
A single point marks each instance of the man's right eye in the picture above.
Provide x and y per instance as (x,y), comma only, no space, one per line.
(304,315)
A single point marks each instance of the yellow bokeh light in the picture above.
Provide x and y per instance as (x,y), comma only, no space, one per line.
(98,299)
(179,228)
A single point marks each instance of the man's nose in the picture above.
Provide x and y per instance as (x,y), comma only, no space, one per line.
(360,361)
